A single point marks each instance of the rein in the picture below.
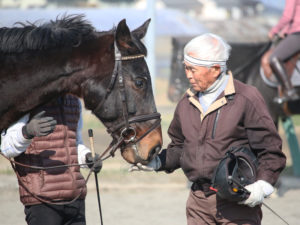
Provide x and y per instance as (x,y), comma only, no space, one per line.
(41,199)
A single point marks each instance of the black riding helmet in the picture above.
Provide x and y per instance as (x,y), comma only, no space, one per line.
(236,170)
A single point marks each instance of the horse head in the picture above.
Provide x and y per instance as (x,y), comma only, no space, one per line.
(124,100)
(107,69)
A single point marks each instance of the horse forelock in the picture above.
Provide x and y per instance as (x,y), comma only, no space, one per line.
(67,31)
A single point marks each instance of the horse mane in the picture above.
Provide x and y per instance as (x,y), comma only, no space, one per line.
(67,31)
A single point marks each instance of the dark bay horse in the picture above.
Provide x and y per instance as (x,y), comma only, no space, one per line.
(106,69)
(245,64)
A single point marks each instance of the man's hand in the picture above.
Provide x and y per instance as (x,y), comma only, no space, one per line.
(38,126)
(154,165)
(94,162)
(270,35)
(258,191)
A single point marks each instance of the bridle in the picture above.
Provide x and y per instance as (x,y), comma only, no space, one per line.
(127,133)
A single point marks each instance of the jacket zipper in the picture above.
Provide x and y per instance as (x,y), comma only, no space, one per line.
(65,129)
(215,124)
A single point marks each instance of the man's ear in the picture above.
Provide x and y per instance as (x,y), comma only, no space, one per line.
(216,70)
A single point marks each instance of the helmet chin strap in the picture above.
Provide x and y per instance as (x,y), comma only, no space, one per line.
(239,163)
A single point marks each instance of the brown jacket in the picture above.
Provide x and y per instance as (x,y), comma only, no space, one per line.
(238,117)
(57,148)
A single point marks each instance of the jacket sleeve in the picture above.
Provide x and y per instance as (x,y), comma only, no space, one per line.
(264,139)
(286,18)
(81,148)
(170,157)
(13,142)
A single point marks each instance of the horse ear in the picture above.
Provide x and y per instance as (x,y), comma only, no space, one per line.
(141,31)
(123,36)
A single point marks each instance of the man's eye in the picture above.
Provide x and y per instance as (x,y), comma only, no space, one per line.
(188,68)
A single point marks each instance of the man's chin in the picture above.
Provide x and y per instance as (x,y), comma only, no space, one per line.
(197,89)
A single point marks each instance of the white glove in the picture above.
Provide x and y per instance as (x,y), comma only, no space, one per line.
(153,165)
(258,191)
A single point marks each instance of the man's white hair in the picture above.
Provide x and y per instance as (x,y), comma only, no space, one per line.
(206,50)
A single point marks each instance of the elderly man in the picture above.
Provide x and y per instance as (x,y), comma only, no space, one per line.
(216,114)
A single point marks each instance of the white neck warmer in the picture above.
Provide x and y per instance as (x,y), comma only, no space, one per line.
(207,97)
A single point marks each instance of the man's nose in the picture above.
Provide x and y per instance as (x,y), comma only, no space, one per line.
(189,74)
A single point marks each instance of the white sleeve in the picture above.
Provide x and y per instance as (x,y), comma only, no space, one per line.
(81,148)
(13,142)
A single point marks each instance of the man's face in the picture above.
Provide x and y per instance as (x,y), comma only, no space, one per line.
(201,77)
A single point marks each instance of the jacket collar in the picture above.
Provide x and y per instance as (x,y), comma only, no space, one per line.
(221,100)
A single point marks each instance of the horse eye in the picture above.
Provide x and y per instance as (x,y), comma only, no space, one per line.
(139,83)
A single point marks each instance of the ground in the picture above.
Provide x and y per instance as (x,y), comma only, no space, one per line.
(145,203)
(142,197)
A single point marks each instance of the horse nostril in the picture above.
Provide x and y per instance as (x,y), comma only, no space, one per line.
(154,151)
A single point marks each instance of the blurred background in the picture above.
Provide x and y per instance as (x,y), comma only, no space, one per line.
(132,198)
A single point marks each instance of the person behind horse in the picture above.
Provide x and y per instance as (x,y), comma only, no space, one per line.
(50,136)
(215,114)
(288,28)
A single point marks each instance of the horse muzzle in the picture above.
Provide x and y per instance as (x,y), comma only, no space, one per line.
(135,153)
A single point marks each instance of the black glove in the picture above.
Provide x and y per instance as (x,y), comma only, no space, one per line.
(39,126)
(94,162)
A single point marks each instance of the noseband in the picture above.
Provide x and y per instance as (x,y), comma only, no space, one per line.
(127,132)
